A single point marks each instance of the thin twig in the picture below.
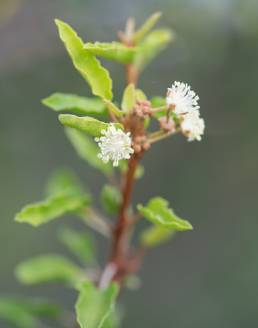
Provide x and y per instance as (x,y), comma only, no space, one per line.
(107,275)
(118,264)
(117,248)
(112,116)
(155,137)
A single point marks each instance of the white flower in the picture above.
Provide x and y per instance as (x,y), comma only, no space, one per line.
(181,98)
(192,125)
(115,145)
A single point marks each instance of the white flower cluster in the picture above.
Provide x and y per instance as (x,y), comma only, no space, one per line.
(115,145)
(184,102)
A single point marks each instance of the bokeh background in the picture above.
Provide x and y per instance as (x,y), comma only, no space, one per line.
(206,278)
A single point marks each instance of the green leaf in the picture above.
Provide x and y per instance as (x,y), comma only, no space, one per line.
(13,313)
(40,307)
(114,51)
(123,166)
(81,244)
(86,124)
(85,62)
(111,199)
(155,235)
(48,268)
(132,282)
(129,98)
(113,320)
(63,181)
(94,305)
(158,101)
(151,46)
(24,313)
(139,171)
(113,108)
(158,212)
(140,95)
(61,102)
(146,27)
(96,221)
(37,307)
(52,208)
(65,195)
(88,150)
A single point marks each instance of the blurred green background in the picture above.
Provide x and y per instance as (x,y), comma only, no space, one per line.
(206,278)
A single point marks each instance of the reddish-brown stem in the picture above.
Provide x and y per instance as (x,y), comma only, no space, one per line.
(120,261)
(119,230)
(132,74)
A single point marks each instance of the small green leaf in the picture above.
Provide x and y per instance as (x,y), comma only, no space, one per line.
(61,102)
(147,122)
(85,62)
(112,321)
(140,95)
(52,208)
(158,101)
(158,212)
(151,46)
(113,108)
(24,313)
(13,313)
(111,199)
(139,171)
(88,150)
(129,98)
(123,166)
(133,282)
(114,51)
(48,268)
(155,235)
(37,307)
(96,221)
(81,244)
(40,307)
(86,124)
(146,27)
(94,306)
(63,181)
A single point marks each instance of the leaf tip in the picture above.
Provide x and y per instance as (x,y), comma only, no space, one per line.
(58,21)
(157,14)
(190,227)
(63,118)
(17,218)
(44,101)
